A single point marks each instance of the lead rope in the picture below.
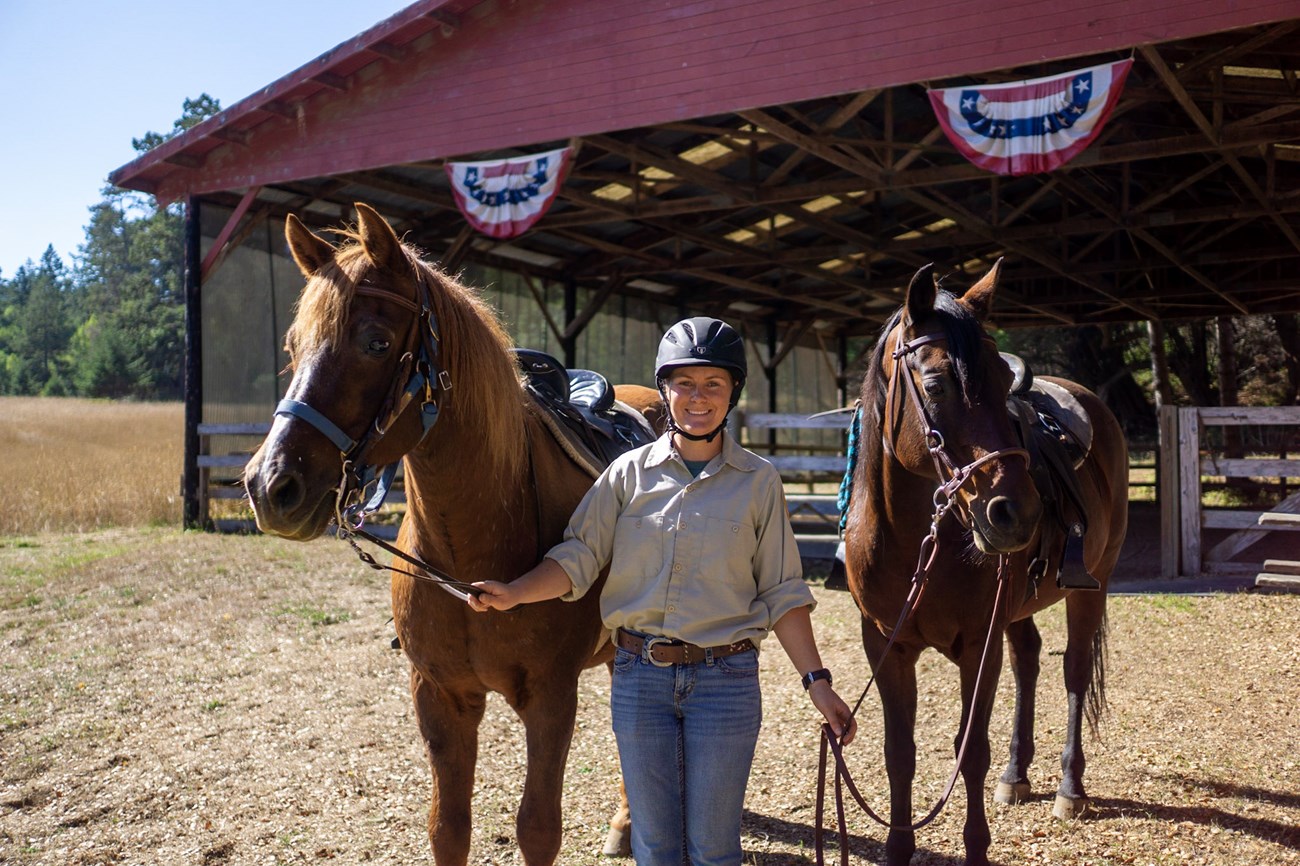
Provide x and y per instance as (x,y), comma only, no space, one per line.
(842,776)
(944,500)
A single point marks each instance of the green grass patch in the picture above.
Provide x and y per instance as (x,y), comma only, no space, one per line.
(1170,602)
(313,615)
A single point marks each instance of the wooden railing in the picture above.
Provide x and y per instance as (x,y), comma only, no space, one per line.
(1185,464)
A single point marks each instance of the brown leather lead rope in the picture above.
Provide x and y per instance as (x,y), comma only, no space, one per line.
(842,776)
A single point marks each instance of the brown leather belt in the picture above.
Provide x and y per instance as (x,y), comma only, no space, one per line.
(662,651)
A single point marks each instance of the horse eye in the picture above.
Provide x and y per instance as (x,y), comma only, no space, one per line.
(933,387)
(378,347)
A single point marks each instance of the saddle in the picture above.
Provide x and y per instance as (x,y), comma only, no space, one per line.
(1057,433)
(579,409)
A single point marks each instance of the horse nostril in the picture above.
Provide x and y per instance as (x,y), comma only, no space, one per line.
(285,492)
(1002,512)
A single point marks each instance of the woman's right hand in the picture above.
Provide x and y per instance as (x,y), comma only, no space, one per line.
(492,595)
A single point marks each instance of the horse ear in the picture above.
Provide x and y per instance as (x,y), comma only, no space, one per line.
(979,297)
(378,238)
(920,294)
(309,250)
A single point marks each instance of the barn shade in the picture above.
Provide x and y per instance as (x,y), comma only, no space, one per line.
(1030,127)
(502,198)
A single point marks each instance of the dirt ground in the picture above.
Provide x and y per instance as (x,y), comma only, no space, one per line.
(186,698)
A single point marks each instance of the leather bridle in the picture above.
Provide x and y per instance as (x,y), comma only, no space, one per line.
(952,475)
(363,487)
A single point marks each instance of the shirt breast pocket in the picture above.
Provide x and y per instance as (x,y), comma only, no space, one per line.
(639,544)
(729,548)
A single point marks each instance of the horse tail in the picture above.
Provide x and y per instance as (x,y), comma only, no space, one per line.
(1095,701)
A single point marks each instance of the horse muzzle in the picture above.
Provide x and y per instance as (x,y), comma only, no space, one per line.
(1004,524)
(285,501)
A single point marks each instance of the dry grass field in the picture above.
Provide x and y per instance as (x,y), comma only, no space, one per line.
(173,697)
(76,465)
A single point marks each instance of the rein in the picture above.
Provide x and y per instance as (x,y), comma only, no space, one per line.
(944,501)
(362,487)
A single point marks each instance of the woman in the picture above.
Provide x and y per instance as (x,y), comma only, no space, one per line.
(702,566)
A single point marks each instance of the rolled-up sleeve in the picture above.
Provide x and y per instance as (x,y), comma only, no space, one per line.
(589,538)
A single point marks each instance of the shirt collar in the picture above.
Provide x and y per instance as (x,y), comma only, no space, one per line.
(661,451)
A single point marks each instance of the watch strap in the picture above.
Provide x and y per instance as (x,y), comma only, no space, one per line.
(813,676)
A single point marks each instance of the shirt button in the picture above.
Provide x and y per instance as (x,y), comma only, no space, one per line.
(735,529)
(677,566)
(671,608)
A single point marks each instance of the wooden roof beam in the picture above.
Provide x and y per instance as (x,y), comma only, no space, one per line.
(827,153)
(1104,208)
(1212,133)
(669,266)
(958,214)
(674,165)
(842,115)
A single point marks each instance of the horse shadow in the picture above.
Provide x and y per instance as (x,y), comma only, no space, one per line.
(1101,809)
(1286,835)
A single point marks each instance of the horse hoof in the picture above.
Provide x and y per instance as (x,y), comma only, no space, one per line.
(1011,794)
(618,843)
(1069,808)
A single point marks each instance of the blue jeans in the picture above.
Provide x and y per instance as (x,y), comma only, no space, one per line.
(686,736)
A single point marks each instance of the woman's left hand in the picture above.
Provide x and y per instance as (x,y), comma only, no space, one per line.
(836,712)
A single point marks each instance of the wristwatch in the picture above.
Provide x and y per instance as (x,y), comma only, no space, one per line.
(813,676)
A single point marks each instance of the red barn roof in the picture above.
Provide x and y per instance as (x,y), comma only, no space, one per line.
(444,78)
(825,179)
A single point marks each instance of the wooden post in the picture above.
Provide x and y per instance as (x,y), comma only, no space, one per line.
(192,515)
(1189,471)
(568,341)
(842,369)
(1164,392)
(1167,492)
(771,377)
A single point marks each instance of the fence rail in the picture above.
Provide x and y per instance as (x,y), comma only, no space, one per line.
(1187,461)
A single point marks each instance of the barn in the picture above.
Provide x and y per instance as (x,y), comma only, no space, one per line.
(778,163)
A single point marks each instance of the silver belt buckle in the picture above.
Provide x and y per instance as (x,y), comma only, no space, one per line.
(651,643)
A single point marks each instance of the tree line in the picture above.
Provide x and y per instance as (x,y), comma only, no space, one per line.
(111,324)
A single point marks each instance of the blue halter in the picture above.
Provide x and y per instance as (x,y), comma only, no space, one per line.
(360,477)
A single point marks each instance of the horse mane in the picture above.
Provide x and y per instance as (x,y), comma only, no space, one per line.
(474,348)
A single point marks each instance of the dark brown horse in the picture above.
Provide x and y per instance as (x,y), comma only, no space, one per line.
(381,344)
(934,413)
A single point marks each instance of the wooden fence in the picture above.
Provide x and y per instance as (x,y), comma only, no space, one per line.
(812,472)
(1202,444)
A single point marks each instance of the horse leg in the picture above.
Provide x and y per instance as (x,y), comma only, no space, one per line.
(896,684)
(1025,645)
(548,718)
(977,708)
(1085,623)
(449,725)
(619,841)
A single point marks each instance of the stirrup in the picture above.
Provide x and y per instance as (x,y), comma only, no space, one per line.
(1074,574)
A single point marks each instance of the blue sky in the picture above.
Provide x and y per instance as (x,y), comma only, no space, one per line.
(80,78)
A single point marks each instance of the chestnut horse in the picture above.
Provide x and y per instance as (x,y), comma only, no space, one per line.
(488,491)
(942,473)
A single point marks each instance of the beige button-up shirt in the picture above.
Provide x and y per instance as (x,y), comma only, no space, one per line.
(708,560)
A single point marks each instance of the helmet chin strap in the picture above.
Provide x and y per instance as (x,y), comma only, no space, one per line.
(696,437)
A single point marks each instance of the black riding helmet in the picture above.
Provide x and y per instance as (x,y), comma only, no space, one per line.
(701,342)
